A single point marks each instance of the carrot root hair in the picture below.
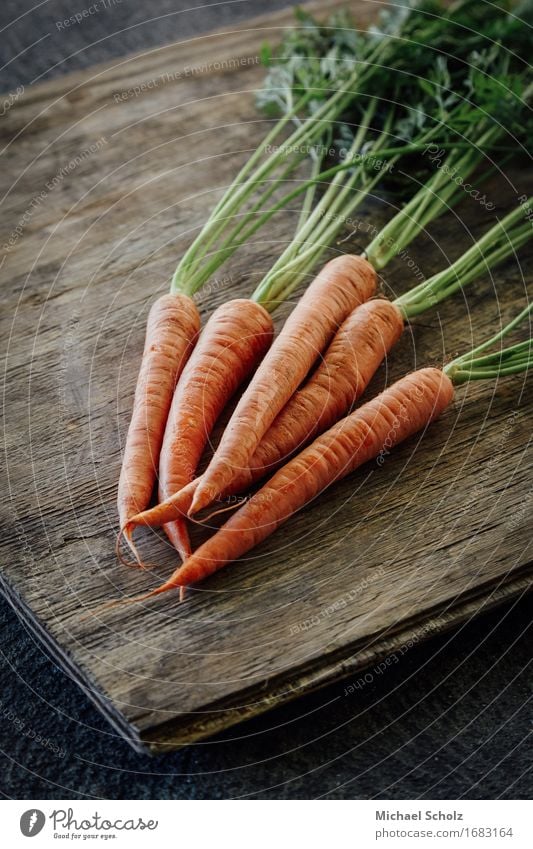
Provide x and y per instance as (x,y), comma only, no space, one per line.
(126,532)
(162,588)
(202,498)
(221,510)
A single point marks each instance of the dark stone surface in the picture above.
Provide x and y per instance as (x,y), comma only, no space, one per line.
(38,43)
(448,719)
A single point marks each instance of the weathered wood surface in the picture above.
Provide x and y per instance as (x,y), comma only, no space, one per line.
(389,555)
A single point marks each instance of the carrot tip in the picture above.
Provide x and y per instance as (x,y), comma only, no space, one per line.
(203,497)
(120,602)
(214,513)
(126,533)
(171,584)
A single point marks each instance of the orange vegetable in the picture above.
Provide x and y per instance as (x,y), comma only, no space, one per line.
(343,284)
(172,326)
(229,348)
(351,360)
(406,407)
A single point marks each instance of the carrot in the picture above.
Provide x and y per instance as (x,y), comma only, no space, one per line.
(351,360)
(357,350)
(173,509)
(172,326)
(341,285)
(406,407)
(232,343)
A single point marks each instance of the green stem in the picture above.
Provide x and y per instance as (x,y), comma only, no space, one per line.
(454,278)
(511,360)
(269,138)
(470,356)
(439,193)
(239,236)
(239,191)
(196,279)
(514,353)
(239,179)
(465,376)
(305,245)
(503,239)
(236,195)
(310,192)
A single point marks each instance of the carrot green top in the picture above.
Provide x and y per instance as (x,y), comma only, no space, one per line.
(426,75)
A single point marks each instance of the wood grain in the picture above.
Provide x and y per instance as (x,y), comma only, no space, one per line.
(107,192)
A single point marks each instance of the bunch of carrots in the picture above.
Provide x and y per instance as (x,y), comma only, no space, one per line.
(296,423)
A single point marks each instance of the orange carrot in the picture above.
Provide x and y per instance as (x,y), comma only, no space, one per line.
(230,346)
(397,413)
(173,509)
(172,326)
(342,284)
(358,348)
(351,360)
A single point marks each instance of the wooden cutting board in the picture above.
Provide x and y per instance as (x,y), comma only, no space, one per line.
(105,184)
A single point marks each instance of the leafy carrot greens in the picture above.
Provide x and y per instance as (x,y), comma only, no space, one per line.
(336,83)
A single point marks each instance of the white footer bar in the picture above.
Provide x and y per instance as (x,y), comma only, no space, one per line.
(254,824)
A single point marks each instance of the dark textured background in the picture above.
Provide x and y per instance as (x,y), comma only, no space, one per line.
(450,719)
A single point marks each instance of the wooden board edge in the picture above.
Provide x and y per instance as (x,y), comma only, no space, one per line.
(189,728)
(78,675)
(71,80)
